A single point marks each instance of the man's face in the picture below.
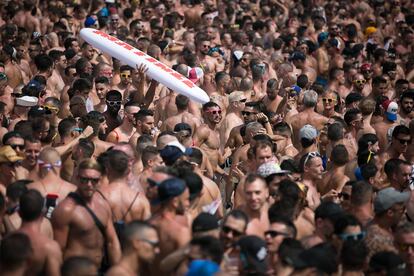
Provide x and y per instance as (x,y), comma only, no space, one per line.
(329,102)
(204,46)
(407,105)
(149,246)
(147,125)
(183,202)
(263,155)
(403,176)
(275,235)
(126,77)
(341,78)
(231,231)
(213,114)
(32,151)
(401,142)
(152,189)
(401,88)
(115,20)
(101,90)
(227,41)
(256,194)
(129,113)
(359,82)
(392,74)
(62,63)
(17,143)
(405,244)
(358,122)
(75,46)
(381,89)
(34,50)
(245,61)
(88,180)
(114,105)
(88,52)
(315,168)
(249,114)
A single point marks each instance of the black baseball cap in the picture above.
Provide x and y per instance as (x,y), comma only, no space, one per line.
(170,188)
(204,222)
(253,254)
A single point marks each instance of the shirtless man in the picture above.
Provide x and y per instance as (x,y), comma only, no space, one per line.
(407,106)
(360,85)
(124,132)
(47,256)
(50,184)
(272,100)
(140,246)
(150,160)
(6,93)
(125,203)
(337,82)
(182,116)
(74,228)
(45,66)
(256,193)
(311,176)
(101,88)
(114,104)
(299,60)
(335,178)
(31,23)
(32,149)
(207,136)
(308,115)
(234,117)
(400,140)
(329,101)
(174,198)
(144,124)
(97,121)
(206,62)
(210,200)
(55,82)
(126,80)
(389,120)
(367,107)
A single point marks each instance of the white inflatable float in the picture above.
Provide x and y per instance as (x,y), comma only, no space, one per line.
(156,70)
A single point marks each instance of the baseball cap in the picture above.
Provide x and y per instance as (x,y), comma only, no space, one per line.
(170,188)
(26,101)
(321,256)
(308,132)
(238,54)
(7,154)
(270,168)
(253,254)
(204,222)
(89,21)
(323,36)
(391,109)
(385,260)
(37,111)
(365,67)
(202,268)
(387,197)
(171,153)
(194,74)
(297,56)
(236,96)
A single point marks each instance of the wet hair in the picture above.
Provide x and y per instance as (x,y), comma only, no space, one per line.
(210,247)
(113,95)
(82,84)
(73,266)
(209,105)
(31,205)
(368,170)
(118,162)
(339,155)
(15,251)
(391,166)
(288,223)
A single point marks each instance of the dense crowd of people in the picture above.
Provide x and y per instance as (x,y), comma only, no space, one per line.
(301,163)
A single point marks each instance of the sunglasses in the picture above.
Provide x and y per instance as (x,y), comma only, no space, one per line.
(126,76)
(113,103)
(154,244)
(214,112)
(78,129)
(3,76)
(404,141)
(50,108)
(344,196)
(235,233)
(86,180)
(20,147)
(405,247)
(310,156)
(360,81)
(243,100)
(273,233)
(248,113)
(324,100)
(352,237)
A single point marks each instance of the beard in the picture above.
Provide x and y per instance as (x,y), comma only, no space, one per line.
(180,209)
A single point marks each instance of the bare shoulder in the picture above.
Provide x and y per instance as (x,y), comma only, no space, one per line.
(115,271)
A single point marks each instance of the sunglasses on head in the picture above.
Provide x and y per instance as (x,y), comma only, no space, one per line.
(360,81)
(235,233)
(310,156)
(113,103)
(273,233)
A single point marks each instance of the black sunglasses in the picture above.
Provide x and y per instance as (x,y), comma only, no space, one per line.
(248,113)
(20,147)
(235,233)
(404,141)
(274,233)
